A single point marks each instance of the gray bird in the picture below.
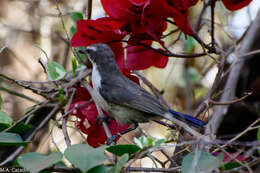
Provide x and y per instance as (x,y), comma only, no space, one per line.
(122,98)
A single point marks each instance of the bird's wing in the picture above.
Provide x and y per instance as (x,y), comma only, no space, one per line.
(131,95)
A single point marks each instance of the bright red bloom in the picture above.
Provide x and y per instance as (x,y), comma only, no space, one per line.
(103,30)
(130,12)
(87,113)
(234,5)
(178,10)
(140,58)
(145,19)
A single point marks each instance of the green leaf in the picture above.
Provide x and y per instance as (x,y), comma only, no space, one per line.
(85,157)
(75,16)
(34,162)
(55,71)
(73,30)
(121,162)
(188,44)
(99,169)
(194,78)
(230,165)
(80,57)
(159,142)
(141,142)
(1,101)
(5,120)
(74,66)
(144,141)
(20,128)
(206,163)
(61,96)
(122,149)
(79,68)
(37,46)
(258,138)
(10,139)
(194,75)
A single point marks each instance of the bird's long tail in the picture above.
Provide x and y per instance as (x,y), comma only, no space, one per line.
(188,119)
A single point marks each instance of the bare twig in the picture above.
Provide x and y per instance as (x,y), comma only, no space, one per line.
(65,119)
(15,93)
(230,102)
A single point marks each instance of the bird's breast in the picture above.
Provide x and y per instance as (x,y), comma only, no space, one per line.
(96,82)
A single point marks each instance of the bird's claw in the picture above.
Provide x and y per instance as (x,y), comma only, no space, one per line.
(102,118)
(112,139)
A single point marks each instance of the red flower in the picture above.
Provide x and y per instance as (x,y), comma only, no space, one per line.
(140,58)
(103,30)
(87,113)
(145,19)
(234,5)
(130,13)
(178,10)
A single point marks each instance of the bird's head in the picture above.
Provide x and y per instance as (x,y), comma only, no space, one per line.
(99,54)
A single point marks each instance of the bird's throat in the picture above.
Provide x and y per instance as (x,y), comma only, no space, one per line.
(96,77)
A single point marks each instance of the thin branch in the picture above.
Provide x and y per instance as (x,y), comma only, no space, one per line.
(230,102)
(63,25)
(165,52)
(89,9)
(65,119)
(15,93)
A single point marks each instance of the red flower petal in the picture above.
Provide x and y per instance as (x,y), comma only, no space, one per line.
(103,30)
(87,113)
(139,58)
(234,5)
(96,136)
(177,9)
(81,94)
(138,2)
(123,10)
(180,12)
(142,26)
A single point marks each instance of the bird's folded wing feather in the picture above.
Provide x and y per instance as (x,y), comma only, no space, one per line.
(132,96)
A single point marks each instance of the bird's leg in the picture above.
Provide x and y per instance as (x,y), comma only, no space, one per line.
(114,137)
(103,118)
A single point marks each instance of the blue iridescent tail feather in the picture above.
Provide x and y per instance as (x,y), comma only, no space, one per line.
(188,119)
